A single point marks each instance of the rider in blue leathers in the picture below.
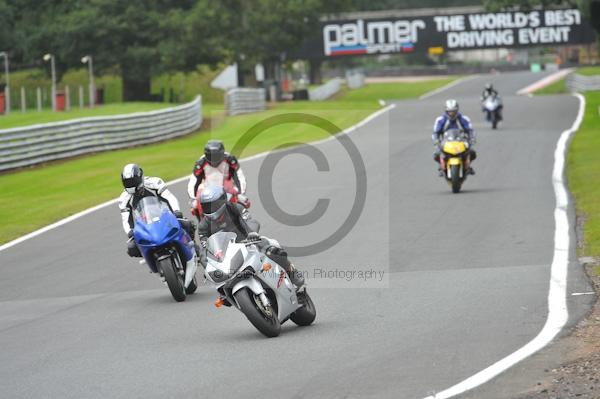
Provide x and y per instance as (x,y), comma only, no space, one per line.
(452,119)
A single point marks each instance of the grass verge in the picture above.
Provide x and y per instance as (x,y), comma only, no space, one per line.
(36,197)
(394,91)
(560,86)
(584,175)
(589,71)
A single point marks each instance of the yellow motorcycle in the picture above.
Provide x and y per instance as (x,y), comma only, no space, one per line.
(455,159)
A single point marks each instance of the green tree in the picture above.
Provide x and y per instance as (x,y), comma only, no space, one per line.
(6,26)
(497,5)
(267,31)
(139,37)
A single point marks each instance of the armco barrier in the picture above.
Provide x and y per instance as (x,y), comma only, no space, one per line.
(576,82)
(245,100)
(326,90)
(31,145)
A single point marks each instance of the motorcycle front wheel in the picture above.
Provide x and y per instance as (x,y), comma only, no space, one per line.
(192,287)
(264,319)
(455,179)
(174,279)
(305,315)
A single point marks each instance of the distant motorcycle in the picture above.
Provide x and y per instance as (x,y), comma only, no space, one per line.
(491,106)
(454,158)
(258,286)
(166,247)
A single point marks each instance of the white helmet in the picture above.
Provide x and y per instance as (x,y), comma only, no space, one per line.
(452,108)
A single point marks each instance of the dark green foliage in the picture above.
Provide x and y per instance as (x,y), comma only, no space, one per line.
(139,39)
(370,5)
(524,5)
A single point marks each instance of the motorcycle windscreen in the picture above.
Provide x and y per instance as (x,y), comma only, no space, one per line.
(154,222)
(453,135)
(217,245)
(149,209)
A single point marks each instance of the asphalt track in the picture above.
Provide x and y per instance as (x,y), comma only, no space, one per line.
(465,277)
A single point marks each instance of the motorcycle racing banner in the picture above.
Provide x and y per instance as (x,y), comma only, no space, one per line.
(447,32)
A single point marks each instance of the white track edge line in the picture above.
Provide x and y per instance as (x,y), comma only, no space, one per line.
(181,179)
(558,314)
(447,86)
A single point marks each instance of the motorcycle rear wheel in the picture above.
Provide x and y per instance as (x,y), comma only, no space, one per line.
(266,323)
(174,280)
(455,179)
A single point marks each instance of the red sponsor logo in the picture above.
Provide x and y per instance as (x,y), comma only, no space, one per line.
(280,280)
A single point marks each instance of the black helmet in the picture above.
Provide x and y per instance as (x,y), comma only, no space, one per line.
(214,151)
(213,200)
(132,177)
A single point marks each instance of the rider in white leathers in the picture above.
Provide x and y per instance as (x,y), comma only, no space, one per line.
(136,187)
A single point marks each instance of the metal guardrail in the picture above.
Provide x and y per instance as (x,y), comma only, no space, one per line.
(30,145)
(245,100)
(576,82)
(326,90)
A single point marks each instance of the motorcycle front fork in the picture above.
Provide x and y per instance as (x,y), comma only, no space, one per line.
(264,300)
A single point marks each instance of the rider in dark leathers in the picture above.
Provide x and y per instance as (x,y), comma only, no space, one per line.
(218,214)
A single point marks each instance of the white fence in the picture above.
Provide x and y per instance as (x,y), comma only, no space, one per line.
(326,90)
(244,100)
(35,144)
(576,82)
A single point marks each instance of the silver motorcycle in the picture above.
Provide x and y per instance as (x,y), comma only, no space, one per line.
(259,287)
(491,106)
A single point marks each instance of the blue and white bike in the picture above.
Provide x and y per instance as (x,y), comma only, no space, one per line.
(166,247)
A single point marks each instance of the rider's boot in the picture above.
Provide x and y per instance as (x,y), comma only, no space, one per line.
(280,256)
(295,276)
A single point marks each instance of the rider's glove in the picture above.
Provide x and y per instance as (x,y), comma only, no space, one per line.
(178,214)
(242,199)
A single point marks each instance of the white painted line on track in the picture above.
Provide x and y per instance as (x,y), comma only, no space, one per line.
(557,295)
(446,87)
(583,293)
(181,179)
